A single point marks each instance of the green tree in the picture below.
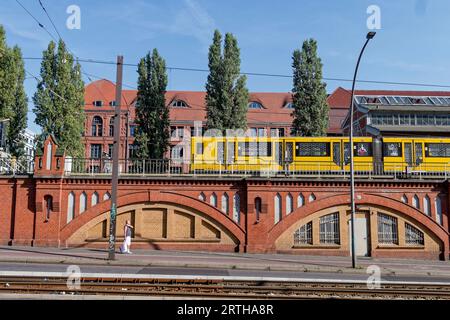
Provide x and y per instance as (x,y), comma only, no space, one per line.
(226,92)
(152,113)
(59,99)
(13,100)
(308,94)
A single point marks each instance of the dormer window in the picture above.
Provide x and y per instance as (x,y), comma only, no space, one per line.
(98,103)
(178,104)
(112,103)
(255,105)
(289,105)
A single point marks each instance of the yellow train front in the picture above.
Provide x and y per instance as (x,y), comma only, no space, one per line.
(304,155)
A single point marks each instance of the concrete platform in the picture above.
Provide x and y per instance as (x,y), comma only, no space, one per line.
(13,258)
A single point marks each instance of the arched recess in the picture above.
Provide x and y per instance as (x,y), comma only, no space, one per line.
(370,200)
(163,220)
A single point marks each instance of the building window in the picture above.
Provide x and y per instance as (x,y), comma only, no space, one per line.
(213,200)
(112,103)
(289,105)
(83,202)
(289,204)
(202,197)
(303,235)
(427,205)
(177,152)
(70,207)
(300,200)
(413,236)
(98,103)
(404,199)
(225,203)
(94,199)
(179,104)
(277,208)
(196,131)
(96,151)
(416,202)
(258,205)
(106,196)
(277,132)
(111,127)
(438,207)
(237,208)
(255,105)
(329,229)
(132,130)
(110,150)
(132,151)
(48,200)
(97,127)
(387,229)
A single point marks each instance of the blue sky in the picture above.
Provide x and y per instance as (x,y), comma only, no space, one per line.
(411,46)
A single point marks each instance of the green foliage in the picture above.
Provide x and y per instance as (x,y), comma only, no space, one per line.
(152,113)
(13,100)
(308,94)
(226,92)
(59,99)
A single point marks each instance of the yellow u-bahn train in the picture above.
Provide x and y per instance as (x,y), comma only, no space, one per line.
(319,154)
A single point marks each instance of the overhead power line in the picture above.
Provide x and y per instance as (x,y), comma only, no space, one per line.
(37,21)
(414,84)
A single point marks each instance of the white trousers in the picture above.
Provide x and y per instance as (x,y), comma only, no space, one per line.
(126,244)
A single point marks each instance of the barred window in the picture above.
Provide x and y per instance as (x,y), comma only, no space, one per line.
(392,149)
(387,229)
(437,150)
(312,149)
(303,235)
(329,229)
(413,235)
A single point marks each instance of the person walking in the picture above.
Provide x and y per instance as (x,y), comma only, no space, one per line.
(125,248)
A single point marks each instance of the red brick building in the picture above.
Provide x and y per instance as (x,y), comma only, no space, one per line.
(269,114)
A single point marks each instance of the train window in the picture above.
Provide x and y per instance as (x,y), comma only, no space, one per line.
(437,150)
(312,149)
(253,149)
(199,148)
(392,149)
(360,149)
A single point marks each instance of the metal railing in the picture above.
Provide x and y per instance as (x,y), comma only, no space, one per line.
(258,168)
(12,166)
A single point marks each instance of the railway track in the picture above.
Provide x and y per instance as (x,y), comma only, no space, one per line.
(231,289)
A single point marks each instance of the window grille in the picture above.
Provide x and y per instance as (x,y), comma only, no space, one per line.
(312,149)
(303,235)
(329,229)
(413,235)
(387,229)
(437,149)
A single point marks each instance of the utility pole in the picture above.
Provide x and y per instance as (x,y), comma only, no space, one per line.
(115,168)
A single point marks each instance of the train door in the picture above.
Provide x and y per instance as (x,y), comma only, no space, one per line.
(413,154)
(337,156)
(230,154)
(220,154)
(278,153)
(288,154)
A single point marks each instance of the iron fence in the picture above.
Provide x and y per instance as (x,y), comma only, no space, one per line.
(257,168)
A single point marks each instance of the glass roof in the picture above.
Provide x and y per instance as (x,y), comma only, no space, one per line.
(403,100)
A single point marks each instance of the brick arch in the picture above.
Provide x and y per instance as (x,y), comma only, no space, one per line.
(366,199)
(155,197)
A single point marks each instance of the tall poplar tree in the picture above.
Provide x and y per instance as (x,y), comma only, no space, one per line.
(59,99)
(152,113)
(226,92)
(13,100)
(308,94)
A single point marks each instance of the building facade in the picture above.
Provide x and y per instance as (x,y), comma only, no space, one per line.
(269,114)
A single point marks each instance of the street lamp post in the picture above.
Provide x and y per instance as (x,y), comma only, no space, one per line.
(369,36)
